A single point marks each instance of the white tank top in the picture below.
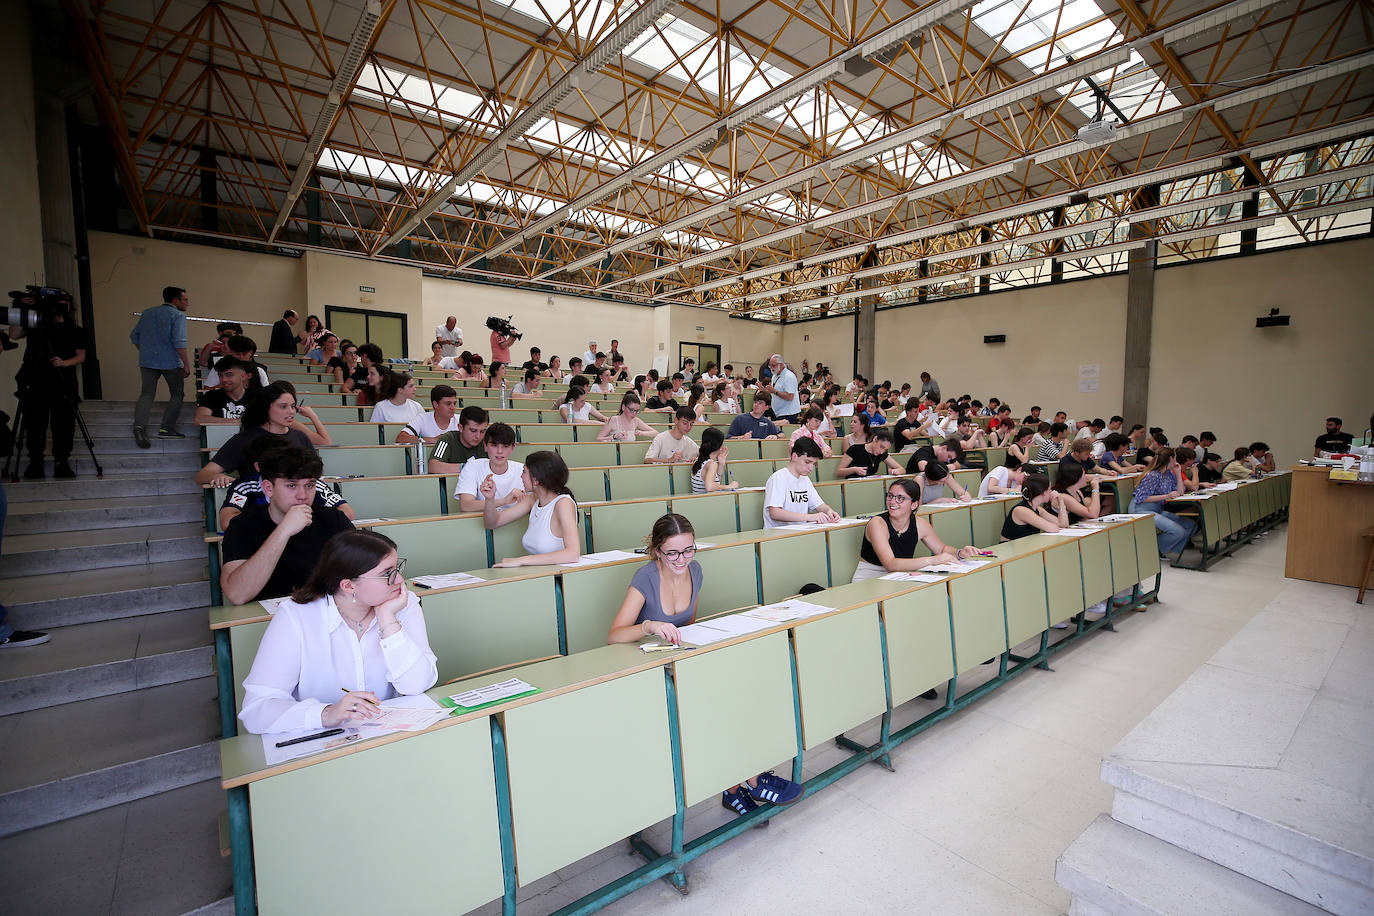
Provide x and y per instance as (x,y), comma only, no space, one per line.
(539,536)
(578,414)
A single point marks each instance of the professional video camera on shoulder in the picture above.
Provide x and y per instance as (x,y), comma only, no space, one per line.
(503,327)
(36,305)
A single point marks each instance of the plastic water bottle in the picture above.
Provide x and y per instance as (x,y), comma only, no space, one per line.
(505,400)
(421,459)
(1367,465)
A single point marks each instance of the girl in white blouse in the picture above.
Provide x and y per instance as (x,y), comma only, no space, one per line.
(352,636)
(399,404)
(725,399)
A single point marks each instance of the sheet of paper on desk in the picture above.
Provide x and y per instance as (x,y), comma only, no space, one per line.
(274,755)
(491,693)
(974,564)
(604,556)
(446,580)
(812,526)
(962,566)
(1071,532)
(271,604)
(912,577)
(698,634)
(702,545)
(791,609)
(369,521)
(405,714)
(737,624)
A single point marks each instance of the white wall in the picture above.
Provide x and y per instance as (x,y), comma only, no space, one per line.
(742,342)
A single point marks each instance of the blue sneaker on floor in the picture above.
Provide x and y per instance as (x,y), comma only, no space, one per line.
(738,801)
(774,789)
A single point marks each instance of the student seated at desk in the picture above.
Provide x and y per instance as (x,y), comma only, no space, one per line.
(529,387)
(625,425)
(947,453)
(430,426)
(1081,456)
(890,539)
(246,492)
(271,410)
(811,420)
(754,424)
(270,549)
(1160,484)
(1209,470)
(494,477)
(398,404)
(575,409)
(1006,479)
(1188,470)
(709,471)
(933,481)
(866,458)
(1001,433)
(553,535)
(1032,514)
(453,448)
(1020,445)
(352,636)
(1238,468)
(662,597)
(1069,484)
(674,445)
(790,496)
(859,432)
(1261,459)
(1114,458)
(1056,445)
(969,434)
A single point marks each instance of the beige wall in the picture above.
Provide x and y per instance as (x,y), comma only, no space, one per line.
(1212,368)
(561,328)
(741,342)
(336,280)
(128,274)
(1049,331)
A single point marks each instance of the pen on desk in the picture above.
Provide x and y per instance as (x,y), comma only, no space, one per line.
(304,738)
(364,699)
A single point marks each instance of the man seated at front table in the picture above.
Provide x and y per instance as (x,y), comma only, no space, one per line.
(1333,440)
(949,453)
(271,549)
(674,445)
(494,476)
(430,426)
(224,405)
(790,496)
(754,425)
(453,448)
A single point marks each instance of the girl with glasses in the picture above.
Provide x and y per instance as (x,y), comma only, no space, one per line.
(351,637)
(663,597)
(890,539)
(626,425)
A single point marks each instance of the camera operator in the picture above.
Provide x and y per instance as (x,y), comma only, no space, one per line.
(47,384)
(500,342)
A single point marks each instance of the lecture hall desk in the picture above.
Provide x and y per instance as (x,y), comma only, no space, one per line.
(1324,523)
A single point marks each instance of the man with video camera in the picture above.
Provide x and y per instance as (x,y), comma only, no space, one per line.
(47,376)
(503,334)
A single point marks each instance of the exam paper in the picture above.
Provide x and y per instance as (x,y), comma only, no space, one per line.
(404,714)
(912,577)
(274,755)
(446,580)
(812,526)
(604,556)
(1071,532)
(271,605)
(791,609)
(491,693)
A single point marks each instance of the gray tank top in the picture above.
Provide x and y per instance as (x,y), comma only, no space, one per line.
(646,581)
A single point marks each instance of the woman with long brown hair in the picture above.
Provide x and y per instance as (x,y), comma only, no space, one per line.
(352,636)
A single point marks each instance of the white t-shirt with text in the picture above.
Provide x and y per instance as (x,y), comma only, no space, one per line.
(788,491)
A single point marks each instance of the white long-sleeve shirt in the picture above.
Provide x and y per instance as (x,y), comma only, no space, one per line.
(310,655)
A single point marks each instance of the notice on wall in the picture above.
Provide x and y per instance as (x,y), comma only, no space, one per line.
(1087,386)
(1089,370)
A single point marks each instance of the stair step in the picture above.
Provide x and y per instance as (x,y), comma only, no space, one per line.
(71,598)
(145,462)
(107,657)
(114,512)
(157,856)
(152,482)
(67,760)
(1115,869)
(70,551)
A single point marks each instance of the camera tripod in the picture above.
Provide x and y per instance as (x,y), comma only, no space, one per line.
(21,432)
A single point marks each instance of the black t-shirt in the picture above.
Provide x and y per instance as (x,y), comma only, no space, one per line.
(531,364)
(861,457)
(230,454)
(337,362)
(223,406)
(53,338)
(924,453)
(1087,464)
(1334,442)
(657,403)
(1207,475)
(250,530)
(902,426)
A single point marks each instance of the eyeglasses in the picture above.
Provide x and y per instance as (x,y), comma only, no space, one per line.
(392,575)
(685,553)
(898,498)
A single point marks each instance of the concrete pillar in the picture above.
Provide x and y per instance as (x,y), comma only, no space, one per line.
(1140,308)
(55,195)
(865,335)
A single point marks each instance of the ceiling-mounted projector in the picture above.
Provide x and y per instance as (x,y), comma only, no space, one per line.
(1098,131)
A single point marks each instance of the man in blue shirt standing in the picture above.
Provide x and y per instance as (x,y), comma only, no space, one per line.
(160,336)
(783,390)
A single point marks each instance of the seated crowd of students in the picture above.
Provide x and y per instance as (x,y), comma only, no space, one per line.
(353,635)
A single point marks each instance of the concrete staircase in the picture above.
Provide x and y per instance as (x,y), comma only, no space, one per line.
(109,796)
(1251,788)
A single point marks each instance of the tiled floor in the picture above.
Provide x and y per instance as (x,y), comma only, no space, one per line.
(981,805)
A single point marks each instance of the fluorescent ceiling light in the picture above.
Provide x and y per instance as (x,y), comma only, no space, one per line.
(917,22)
(1080,253)
(783,94)
(1296,81)
(1203,23)
(1218,229)
(1052,80)
(1344,206)
(1314,138)
(1191,206)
